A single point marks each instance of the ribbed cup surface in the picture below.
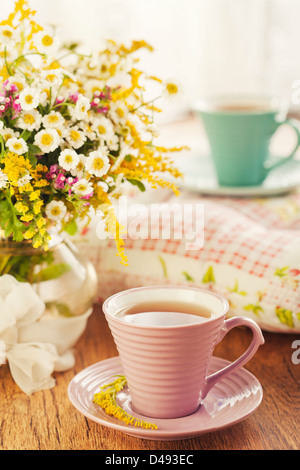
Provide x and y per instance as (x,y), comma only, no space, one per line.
(165,367)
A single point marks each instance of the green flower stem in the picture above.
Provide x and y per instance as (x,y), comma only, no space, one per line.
(2,144)
(4,266)
(59,105)
(23,56)
(145,104)
(6,63)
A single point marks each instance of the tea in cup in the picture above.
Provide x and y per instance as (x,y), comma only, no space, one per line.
(165,336)
(239,131)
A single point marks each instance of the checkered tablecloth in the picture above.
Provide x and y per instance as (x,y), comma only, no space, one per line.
(251,255)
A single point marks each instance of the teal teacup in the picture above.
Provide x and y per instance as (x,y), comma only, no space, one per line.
(239,131)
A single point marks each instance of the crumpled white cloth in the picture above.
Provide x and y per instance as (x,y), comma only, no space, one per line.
(31,361)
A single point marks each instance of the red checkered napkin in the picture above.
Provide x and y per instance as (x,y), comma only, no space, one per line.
(250,254)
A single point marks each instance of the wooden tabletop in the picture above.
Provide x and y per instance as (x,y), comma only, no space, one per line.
(47,420)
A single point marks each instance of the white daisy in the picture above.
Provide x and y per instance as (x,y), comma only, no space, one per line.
(7,35)
(104,67)
(93,87)
(171,89)
(92,67)
(75,137)
(56,210)
(54,120)
(80,167)
(19,81)
(24,180)
(52,77)
(103,185)
(44,97)
(113,143)
(119,80)
(98,162)
(29,98)
(62,132)
(3,180)
(8,133)
(68,159)
(46,42)
(69,74)
(30,120)
(47,140)
(17,146)
(83,187)
(89,132)
(103,127)
(81,108)
(118,112)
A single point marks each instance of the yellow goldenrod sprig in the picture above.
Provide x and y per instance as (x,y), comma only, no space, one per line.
(106,399)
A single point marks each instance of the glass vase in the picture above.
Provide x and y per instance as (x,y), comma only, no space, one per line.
(65,281)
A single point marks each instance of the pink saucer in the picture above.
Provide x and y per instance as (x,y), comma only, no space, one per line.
(230,401)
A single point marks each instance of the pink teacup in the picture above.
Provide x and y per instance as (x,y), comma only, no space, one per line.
(165,354)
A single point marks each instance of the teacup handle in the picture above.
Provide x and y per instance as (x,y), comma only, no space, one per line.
(257,340)
(281,161)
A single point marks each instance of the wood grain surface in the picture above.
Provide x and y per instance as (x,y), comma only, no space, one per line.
(47,420)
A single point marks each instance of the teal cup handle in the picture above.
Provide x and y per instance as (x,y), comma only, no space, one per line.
(283,160)
(239,136)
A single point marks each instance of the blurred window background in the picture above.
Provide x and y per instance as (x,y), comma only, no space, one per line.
(207,46)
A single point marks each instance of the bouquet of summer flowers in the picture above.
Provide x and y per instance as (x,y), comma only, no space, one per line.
(73,129)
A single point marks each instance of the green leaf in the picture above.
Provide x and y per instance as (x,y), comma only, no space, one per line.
(25,134)
(281,272)
(71,228)
(209,276)
(73,46)
(111,188)
(10,222)
(188,277)
(34,149)
(249,307)
(52,272)
(254,308)
(235,289)
(164,267)
(32,159)
(62,309)
(137,183)
(285,316)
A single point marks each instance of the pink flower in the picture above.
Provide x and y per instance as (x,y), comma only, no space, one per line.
(16,105)
(95,102)
(53,168)
(103,110)
(13,88)
(60,181)
(74,97)
(87,196)
(59,100)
